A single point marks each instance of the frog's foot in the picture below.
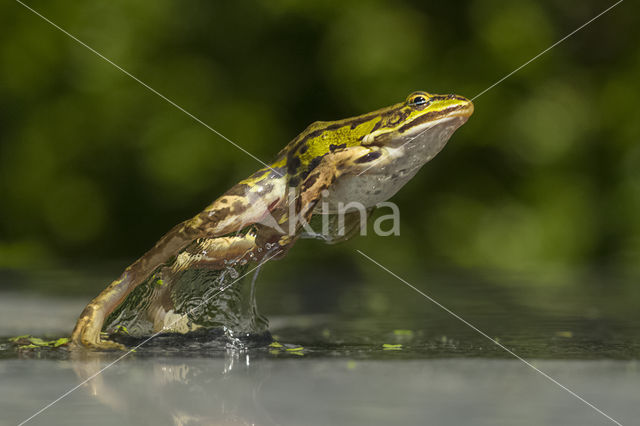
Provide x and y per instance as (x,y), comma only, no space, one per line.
(100,345)
(86,334)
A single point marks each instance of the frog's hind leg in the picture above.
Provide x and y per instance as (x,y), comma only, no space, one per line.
(204,253)
(211,224)
(89,325)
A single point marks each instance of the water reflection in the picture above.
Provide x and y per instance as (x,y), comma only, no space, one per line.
(243,389)
(189,392)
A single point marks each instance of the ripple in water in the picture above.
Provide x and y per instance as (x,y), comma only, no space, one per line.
(212,304)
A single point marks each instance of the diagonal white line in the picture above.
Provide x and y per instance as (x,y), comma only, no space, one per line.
(145,85)
(521,66)
(266,165)
(111,364)
(546,50)
(467,323)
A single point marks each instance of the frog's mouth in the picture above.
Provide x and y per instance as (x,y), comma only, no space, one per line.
(430,136)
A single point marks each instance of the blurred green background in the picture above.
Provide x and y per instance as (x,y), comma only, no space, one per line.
(542,182)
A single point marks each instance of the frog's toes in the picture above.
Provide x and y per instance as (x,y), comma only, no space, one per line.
(98,345)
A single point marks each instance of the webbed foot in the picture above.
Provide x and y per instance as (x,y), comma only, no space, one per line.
(86,333)
(100,345)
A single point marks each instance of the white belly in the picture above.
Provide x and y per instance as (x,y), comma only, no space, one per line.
(366,189)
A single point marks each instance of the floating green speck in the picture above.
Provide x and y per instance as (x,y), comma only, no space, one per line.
(296,349)
(61,341)
(565,334)
(275,345)
(390,347)
(403,332)
(32,346)
(38,341)
(30,342)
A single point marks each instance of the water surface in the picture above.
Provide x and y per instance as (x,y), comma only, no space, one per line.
(375,356)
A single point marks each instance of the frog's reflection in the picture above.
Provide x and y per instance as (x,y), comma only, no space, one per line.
(180,391)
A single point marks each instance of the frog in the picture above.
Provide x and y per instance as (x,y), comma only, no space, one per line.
(365,159)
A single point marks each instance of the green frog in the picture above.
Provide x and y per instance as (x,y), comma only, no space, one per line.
(364,159)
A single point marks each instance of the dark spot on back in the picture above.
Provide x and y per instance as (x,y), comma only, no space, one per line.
(308,183)
(369,157)
(292,165)
(304,148)
(239,189)
(294,181)
(314,163)
(333,147)
(238,206)
(220,214)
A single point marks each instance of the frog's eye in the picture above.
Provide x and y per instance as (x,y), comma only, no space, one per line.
(418,101)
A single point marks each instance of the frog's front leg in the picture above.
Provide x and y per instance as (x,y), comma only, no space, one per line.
(353,160)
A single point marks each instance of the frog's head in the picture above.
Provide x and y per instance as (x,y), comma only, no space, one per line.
(423,122)
(404,136)
(420,125)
